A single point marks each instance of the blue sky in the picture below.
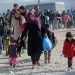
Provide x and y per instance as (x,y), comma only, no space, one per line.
(33,0)
(29,1)
(9,3)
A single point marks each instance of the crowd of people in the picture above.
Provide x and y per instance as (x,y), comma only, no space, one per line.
(54,18)
(20,24)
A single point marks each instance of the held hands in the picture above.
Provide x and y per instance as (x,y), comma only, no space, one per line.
(61,54)
(19,41)
(73,47)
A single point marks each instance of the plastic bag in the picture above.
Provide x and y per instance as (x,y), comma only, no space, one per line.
(47,44)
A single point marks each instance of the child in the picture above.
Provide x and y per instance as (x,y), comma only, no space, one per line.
(12,51)
(47,47)
(69,49)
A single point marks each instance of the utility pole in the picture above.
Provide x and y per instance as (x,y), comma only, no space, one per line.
(38,2)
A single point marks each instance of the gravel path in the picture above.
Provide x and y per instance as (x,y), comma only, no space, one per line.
(58,65)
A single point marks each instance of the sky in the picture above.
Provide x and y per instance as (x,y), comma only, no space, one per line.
(9,3)
(28,0)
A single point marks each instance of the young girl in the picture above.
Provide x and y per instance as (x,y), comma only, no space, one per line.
(12,51)
(69,49)
(47,47)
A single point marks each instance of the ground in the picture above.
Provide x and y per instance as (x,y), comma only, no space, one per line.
(58,65)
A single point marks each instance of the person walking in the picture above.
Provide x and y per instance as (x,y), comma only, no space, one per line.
(12,52)
(47,47)
(69,49)
(34,39)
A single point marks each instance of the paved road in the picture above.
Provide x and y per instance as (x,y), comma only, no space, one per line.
(58,65)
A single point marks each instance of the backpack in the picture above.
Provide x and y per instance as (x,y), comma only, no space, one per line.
(53,39)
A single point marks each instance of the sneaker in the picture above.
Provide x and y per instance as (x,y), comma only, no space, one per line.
(12,73)
(69,69)
(38,63)
(19,55)
(45,62)
(48,61)
(33,66)
(11,64)
(11,68)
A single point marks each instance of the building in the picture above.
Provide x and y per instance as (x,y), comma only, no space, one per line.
(56,6)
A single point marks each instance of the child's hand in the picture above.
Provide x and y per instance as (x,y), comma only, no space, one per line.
(61,54)
(19,41)
(74,48)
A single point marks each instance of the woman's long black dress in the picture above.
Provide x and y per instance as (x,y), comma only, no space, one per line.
(34,39)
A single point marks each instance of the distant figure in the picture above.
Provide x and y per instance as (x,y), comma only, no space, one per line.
(15,8)
(23,11)
(69,49)
(8,16)
(39,15)
(52,17)
(66,20)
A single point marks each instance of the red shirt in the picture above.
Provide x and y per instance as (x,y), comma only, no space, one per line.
(68,48)
(66,19)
